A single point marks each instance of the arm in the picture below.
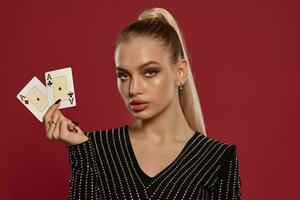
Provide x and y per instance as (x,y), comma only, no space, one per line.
(84,179)
(228,185)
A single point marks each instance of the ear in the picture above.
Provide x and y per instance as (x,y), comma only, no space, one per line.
(182,72)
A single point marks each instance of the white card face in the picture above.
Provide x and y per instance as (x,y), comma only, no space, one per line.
(59,84)
(34,97)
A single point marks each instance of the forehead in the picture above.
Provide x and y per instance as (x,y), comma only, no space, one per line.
(140,50)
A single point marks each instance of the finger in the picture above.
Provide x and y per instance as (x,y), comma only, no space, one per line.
(73,127)
(47,126)
(56,132)
(70,126)
(64,128)
(49,115)
(50,111)
(54,119)
(67,134)
(54,123)
(68,137)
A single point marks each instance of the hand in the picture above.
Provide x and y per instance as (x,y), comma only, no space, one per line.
(62,129)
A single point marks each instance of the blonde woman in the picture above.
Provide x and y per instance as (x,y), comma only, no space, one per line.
(165,153)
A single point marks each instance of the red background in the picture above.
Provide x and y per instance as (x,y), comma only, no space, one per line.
(244,58)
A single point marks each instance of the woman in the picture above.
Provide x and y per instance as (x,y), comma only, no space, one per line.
(165,153)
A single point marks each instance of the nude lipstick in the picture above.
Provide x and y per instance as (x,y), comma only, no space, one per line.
(138,105)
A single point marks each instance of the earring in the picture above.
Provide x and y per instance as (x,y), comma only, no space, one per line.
(180,86)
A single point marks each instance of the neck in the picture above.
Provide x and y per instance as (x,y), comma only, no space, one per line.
(168,125)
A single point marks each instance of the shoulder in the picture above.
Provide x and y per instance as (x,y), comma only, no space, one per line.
(215,146)
(214,155)
(212,152)
(106,132)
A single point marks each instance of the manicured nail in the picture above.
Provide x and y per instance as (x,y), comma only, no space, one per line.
(75,123)
(75,129)
(56,102)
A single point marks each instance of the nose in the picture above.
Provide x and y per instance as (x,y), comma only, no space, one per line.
(134,87)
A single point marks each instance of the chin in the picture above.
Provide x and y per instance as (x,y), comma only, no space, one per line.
(140,115)
(144,115)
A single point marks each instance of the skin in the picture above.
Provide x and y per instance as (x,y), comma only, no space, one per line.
(63,130)
(160,132)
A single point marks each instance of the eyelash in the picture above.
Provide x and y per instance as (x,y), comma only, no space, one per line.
(151,71)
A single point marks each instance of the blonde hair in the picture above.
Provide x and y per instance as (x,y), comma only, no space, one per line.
(160,24)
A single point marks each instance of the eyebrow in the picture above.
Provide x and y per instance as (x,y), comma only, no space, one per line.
(119,68)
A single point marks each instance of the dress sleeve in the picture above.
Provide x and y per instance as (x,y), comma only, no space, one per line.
(84,178)
(228,185)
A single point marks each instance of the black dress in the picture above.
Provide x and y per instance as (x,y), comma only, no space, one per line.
(105,167)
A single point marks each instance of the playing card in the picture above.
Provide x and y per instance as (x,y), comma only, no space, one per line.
(34,97)
(59,84)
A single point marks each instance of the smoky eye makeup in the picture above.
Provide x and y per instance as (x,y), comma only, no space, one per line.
(151,70)
(121,75)
(147,72)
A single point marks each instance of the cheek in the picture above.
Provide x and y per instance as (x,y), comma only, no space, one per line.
(122,89)
(163,88)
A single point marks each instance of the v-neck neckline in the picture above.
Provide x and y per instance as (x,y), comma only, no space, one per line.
(138,167)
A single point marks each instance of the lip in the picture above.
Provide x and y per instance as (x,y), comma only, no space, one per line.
(139,107)
(137,102)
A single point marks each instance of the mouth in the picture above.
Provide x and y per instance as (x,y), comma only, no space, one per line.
(139,107)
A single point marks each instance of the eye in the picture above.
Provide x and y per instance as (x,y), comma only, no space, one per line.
(122,76)
(151,72)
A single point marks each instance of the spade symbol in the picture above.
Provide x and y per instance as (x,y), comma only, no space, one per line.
(59,88)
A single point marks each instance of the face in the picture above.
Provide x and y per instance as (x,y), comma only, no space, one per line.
(146,74)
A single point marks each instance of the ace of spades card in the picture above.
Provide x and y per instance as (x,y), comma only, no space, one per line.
(34,97)
(59,84)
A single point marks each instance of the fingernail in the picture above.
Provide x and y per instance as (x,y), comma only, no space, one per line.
(75,123)
(56,102)
(75,129)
